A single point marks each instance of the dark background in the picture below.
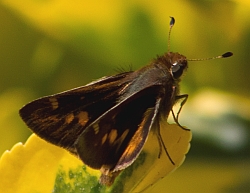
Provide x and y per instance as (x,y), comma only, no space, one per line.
(51,46)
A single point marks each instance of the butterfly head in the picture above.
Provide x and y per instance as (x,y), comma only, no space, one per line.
(178,64)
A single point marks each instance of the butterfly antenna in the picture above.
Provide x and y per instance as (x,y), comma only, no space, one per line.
(226,55)
(172,21)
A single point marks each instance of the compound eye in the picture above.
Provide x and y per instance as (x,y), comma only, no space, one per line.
(177,69)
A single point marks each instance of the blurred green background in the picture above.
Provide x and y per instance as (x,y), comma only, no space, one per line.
(51,46)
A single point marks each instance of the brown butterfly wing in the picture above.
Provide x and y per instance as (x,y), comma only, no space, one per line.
(116,138)
(61,118)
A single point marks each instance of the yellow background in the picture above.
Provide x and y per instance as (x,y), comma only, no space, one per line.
(51,46)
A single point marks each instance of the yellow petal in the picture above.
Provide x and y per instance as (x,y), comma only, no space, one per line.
(39,166)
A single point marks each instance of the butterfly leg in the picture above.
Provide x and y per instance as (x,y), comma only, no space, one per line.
(161,144)
(184,98)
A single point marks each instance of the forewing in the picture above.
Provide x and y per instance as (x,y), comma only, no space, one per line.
(116,138)
(61,118)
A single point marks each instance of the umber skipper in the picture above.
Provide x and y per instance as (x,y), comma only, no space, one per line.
(106,123)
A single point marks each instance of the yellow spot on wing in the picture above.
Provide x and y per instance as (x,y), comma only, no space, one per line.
(104,138)
(96,128)
(124,135)
(83,118)
(112,136)
(69,118)
(53,102)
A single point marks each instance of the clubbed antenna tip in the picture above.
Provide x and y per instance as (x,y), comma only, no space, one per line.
(228,54)
(172,21)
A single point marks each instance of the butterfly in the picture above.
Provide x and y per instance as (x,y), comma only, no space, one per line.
(106,123)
